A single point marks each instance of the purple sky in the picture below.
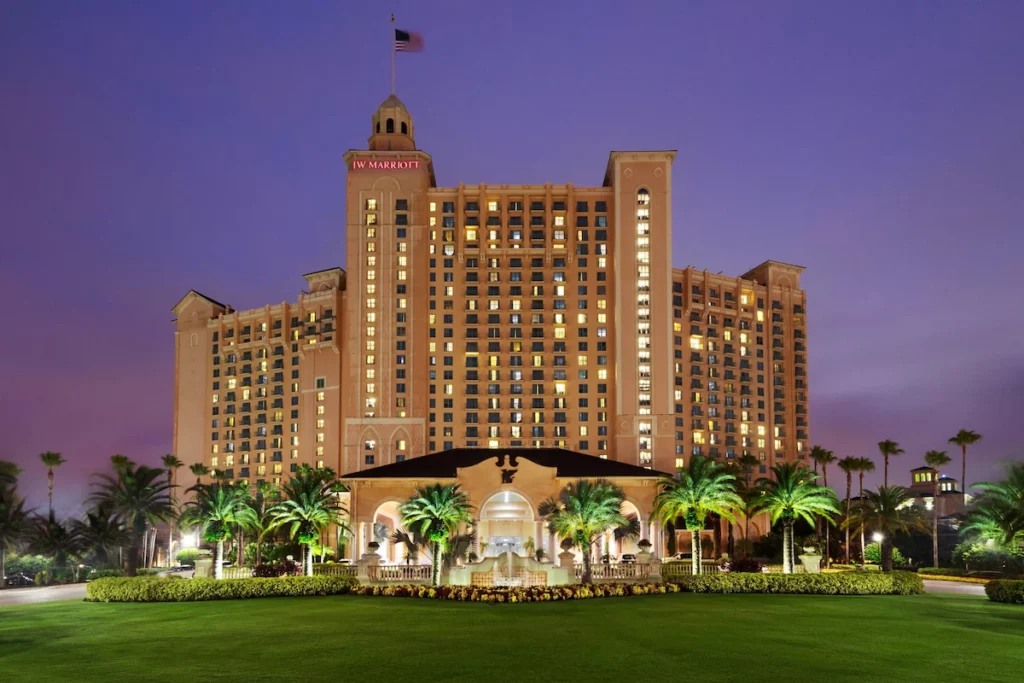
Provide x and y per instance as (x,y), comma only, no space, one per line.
(149,148)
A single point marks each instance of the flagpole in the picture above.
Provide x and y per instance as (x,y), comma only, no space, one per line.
(392,53)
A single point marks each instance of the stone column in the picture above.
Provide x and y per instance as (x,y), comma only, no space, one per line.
(553,548)
(538,536)
(478,533)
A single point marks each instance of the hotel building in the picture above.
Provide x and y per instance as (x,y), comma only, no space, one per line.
(497,317)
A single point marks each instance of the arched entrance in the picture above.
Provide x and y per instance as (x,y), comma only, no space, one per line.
(386,520)
(507,523)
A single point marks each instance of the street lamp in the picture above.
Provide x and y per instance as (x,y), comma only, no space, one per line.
(877,537)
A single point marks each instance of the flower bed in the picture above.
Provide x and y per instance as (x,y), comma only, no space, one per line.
(517,595)
(846,583)
(1005,590)
(147,589)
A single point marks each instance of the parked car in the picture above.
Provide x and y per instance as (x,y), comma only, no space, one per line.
(628,558)
(19,579)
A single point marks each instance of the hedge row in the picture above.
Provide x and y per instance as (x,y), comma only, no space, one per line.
(1005,590)
(846,583)
(148,589)
(516,594)
(954,579)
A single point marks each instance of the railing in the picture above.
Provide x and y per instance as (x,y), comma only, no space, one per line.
(346,570)
(236,572)
(615,572)
(670,570)
(399,573)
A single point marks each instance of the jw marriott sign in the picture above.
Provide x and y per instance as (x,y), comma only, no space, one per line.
(358,165)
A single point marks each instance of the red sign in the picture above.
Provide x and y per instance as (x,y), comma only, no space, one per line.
(361,164)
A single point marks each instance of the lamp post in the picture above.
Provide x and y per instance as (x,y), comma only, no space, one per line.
(877,538)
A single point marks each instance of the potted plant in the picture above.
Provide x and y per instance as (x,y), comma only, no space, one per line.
(644,556)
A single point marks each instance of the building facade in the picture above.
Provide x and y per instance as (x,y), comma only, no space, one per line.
(497,317)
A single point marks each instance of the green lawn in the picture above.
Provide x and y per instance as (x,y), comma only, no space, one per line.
(670,637)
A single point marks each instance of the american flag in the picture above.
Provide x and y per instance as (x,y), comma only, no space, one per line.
(407,41)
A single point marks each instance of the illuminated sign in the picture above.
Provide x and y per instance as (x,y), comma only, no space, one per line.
(360,165)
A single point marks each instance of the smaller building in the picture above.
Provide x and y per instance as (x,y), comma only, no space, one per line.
(952,502)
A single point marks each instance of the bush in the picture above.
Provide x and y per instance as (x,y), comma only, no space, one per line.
(873,553)
(28,564)
(188,556)
(981,556)
(148,571)
(285,568)
(843,583)
(103,574)
(745,565)
(517,595)
(146,589)
(1004,590)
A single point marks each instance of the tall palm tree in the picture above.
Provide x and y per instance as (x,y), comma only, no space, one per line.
(792,493)
(935,460)
(963,439)
(887,512)
(102,533)
(748,462)
(199,469)
(849,464)
(704,488)
(171,463)
(55,539)
(309,505)
(140,497)
(998,513)
(888,449)
(750,508)
(435,512)
(583,510)
(864,465)
(217,508)
(824,457)
(8,473)
(121,463)
(14,525)
(262,503)
(51,460)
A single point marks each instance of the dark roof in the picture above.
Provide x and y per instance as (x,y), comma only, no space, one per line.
(445,464)
(923,467)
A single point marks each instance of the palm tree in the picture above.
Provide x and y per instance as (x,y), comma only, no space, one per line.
(101,531)
(171,463)
(8,473)
(216,508)
(887,512)
(888,448)
(58,540)
(963,439)
(583,510)
(199,469)
(14,525)
(51,460)
(748,462)
(751,500)
(309,505)
(704,488)
(998,513)
(849,464)
(792,494)
(629,531)
(863,465)
(935,460)
(435,512)
(412,542)
(824,457)
(121,463)
(140,497)
(262,504)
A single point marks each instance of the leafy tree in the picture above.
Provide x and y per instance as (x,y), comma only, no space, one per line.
(51,460)
(998,513)
(888,449)
(703,488)
(935,460)
(792,494)
(309,505)
(849,465)
(14,525)
(887,511)
(435,512)
(873,553)
(217,508)
(140,497)
(101,532)
(963,439)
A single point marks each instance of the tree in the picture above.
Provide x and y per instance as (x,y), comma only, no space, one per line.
(309,505)
(101,532)
(751,500)
(435,512)
(887,512)
(140,497)
(55,539)
(8,473)
(888,449)
(824,457)
(629,531)
(171,463)
(792,494)
(748,462)
(412,542)
(216,508)
(198,469)
(864,465)
(51,460)
(849,464)
(262,504)
(998,513)
(963,439)
(704,488)
(935,460)
(121,463)
(14,525)
(583,510)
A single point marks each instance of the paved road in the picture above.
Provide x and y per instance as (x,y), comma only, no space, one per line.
(28,596)
(933,586)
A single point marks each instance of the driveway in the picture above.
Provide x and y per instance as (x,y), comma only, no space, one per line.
(28,596)
(933,586)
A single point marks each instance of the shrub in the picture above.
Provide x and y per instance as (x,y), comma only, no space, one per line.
(518,595)
(285,568)
(148,571)
(873,553)
(146,589)
(104,574)
(844,583)
(745,565)
(28,564)
(188,556)
(1005,590)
